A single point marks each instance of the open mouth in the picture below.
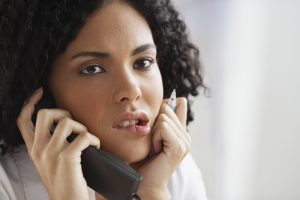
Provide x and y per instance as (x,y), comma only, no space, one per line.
(131,119)
(134,122)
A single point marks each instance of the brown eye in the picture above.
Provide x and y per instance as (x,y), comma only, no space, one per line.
(143,64)
(92,69)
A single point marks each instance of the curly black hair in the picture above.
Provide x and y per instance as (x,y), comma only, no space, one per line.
(33,33)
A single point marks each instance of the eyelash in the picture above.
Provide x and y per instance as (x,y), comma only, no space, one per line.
(141,61)
(85,72)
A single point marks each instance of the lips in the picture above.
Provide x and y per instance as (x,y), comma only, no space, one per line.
(135,122)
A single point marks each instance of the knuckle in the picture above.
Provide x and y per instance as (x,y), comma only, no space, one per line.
(83,127)
(188,147)
(65,124)
(47,154)
(183,149)
(181,146)
(34,155)
(85,136)
(61,114)
(182,100)
(64,156)
(61,157)
(97,140)
(65,113)
(19,121)
(182,103)
(43,112)
(162,117)
(67,156)
(164,124)
(44,158)
(66,121)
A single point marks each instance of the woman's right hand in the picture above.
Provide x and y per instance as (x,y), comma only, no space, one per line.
(57,162)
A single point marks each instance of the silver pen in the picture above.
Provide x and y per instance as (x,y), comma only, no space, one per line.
(172,100)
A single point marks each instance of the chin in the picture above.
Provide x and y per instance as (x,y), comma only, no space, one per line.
(133,156)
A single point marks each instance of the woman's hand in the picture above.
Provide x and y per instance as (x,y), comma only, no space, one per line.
(170,143)
(56,161)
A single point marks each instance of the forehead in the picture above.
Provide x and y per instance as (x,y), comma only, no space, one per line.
(116,26)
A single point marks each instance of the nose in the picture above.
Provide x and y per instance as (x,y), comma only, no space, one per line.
(127,89)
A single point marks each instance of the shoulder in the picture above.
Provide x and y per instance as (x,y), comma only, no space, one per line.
(18,177)
(6,174)
(186,182)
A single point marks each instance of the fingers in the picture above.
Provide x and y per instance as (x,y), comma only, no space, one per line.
(24,122)
(169,131)
(178,118)
(181,110)
(65,126)
(163,136)
(82,141)
(38,139)
(45,119)
(63,129)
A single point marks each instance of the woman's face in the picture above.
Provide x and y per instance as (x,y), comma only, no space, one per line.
(108,79)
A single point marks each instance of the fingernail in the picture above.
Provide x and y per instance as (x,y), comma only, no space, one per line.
(38,90)
(32,95)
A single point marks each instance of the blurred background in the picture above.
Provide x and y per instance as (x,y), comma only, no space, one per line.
(246,136)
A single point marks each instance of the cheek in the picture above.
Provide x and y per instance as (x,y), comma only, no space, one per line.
(155,93)
(158,85)
(155,98)
(87,109)
(84,105)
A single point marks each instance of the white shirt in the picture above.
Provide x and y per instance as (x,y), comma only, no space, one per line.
(19,181)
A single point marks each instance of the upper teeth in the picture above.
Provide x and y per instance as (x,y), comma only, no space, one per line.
(129,122)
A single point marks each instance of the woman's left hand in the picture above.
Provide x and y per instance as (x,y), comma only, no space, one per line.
(170,144)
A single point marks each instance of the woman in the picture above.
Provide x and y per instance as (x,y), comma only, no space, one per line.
(108,65)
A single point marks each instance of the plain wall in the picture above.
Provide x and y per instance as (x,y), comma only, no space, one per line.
(246,136)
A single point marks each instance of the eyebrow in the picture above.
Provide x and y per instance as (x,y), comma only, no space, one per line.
(143,48)
(106,54)
(91,54)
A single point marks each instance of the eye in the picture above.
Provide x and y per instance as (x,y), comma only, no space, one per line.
(143,64)
(92,69)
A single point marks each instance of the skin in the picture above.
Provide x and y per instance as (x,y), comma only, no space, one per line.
(91,92)
(122,84)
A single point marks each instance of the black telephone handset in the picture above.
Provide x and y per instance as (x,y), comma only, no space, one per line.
(103,172)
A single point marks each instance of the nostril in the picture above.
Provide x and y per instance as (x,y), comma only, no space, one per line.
(126,96)
(124,99)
